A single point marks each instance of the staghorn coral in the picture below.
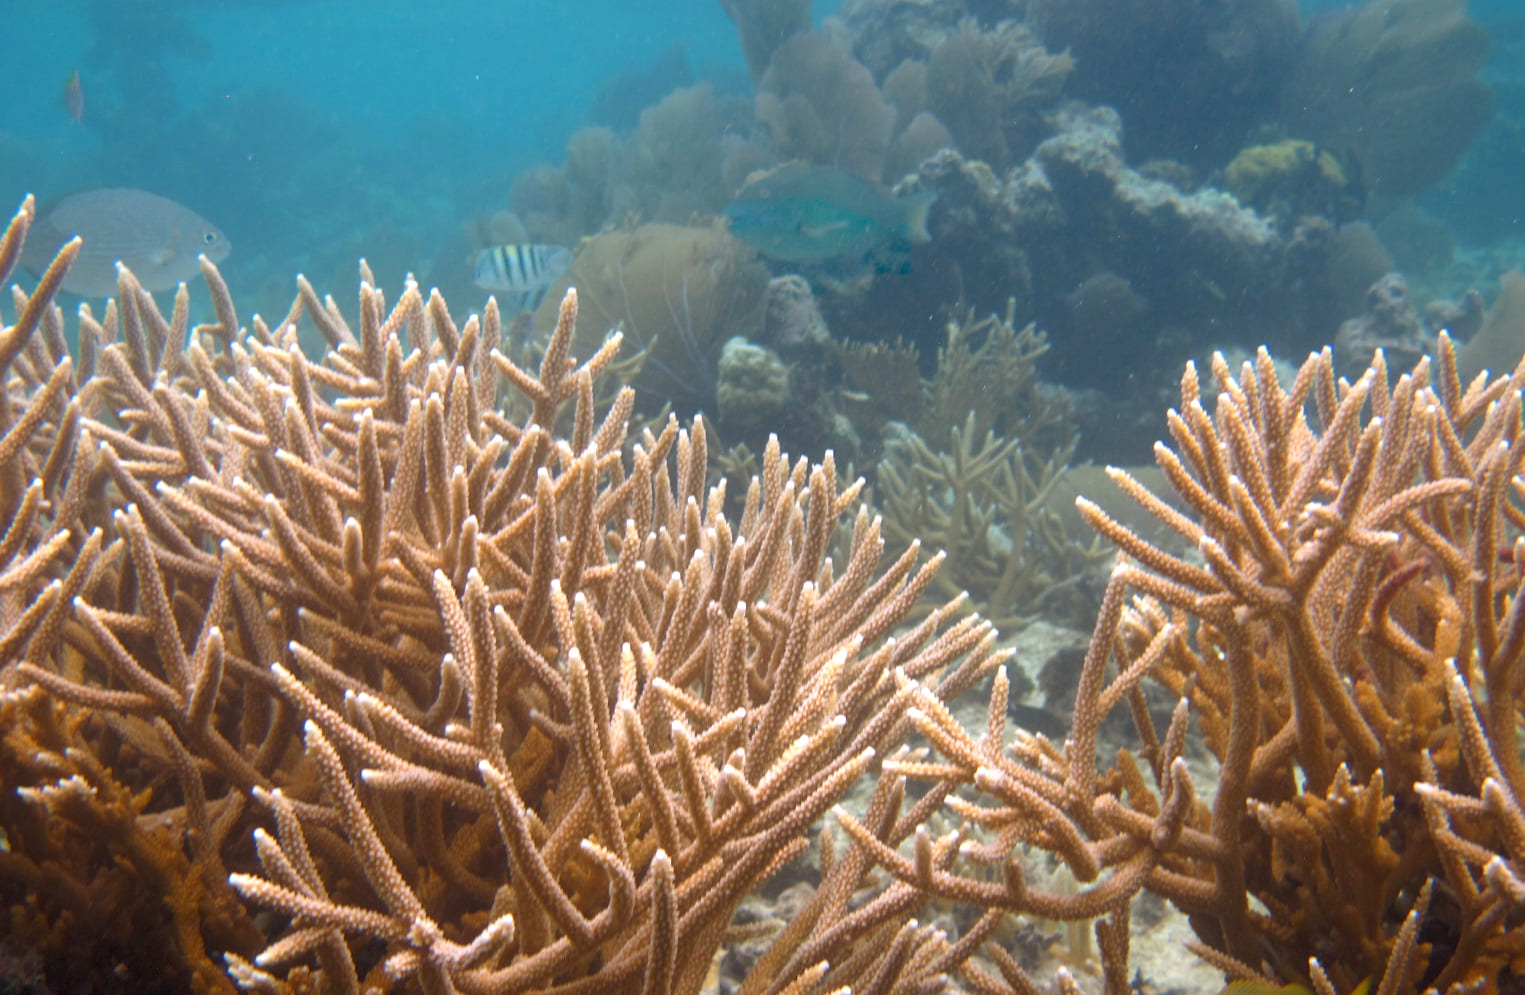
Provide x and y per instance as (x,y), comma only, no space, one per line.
(298,571)
(101,896)
(512,709)
(986,503)
(971,458)
(987,369)
(1350,649)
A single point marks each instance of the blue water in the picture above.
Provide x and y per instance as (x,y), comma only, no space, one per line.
(517,76)
(294,124)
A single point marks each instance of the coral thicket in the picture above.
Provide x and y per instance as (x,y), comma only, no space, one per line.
(456,683)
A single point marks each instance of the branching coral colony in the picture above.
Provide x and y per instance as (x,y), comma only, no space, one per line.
(461,695)
(465,698)
(1348,644)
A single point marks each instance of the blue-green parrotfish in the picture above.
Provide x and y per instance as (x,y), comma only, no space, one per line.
(808,214)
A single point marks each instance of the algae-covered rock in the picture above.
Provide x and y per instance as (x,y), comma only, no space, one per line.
(1293,177)
(678,292)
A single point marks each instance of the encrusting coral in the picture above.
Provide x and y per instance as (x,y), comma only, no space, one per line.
(505,709)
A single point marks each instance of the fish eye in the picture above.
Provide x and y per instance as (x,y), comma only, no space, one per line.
(209,237)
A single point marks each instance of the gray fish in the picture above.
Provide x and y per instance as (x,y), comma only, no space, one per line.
(808,214)
(155,237)
(521,274)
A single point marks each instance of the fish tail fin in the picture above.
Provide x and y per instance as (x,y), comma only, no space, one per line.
(917,207)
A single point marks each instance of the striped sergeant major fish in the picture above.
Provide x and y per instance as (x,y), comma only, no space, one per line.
(520,274)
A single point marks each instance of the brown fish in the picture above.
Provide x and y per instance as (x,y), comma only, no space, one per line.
(155,237)
(74,98)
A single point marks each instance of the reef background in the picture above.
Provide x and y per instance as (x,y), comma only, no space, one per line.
(315,134)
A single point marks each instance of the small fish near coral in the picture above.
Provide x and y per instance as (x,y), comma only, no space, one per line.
(157,238)
(520,274)
(809,214)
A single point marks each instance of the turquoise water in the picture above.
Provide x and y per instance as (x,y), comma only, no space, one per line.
(299,125)
(516,76)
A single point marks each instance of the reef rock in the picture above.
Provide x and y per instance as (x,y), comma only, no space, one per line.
(1391,323)
(791,320)
(1190,262)
(753,386)
(1208,228)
